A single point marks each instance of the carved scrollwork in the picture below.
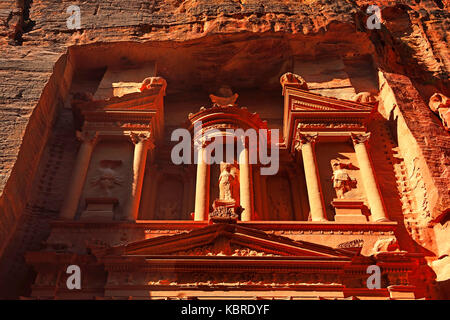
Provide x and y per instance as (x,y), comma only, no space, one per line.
(358,138)
(302,139)
(223,212)
(137,137)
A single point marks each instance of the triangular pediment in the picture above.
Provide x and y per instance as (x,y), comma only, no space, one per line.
(302,100)
(226,240)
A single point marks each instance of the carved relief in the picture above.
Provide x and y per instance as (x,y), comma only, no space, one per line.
(342,182)
(293,80)
(440,104)
(137,137)
(107,177)
(330,125)
(214,250)
(357,243)
(152,82)
(364,97)
(229,182)
(385,245)
(360,137)
(302,139)
(223,212)
(272,279)
(224,98)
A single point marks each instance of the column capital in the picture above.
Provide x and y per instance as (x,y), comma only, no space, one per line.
(358,138)
(302,139)
(87,136)
(202,142)
(137,137)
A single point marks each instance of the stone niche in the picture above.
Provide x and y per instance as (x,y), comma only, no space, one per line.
(108,181)
(329,153)
(167,193)
(281,197)
(169,203)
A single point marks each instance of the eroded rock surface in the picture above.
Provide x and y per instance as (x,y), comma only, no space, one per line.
(245,44)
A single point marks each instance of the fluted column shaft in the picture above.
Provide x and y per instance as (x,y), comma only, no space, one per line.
(70,204)
(370,185)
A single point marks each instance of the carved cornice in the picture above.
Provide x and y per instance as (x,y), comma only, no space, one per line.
(329,125)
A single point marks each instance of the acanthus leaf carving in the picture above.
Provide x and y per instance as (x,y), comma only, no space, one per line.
(358,138)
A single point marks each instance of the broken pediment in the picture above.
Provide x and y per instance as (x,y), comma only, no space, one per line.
(227,240)
(117,82)
(302,100)
(312,112)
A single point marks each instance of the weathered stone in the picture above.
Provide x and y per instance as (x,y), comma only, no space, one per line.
(199,45)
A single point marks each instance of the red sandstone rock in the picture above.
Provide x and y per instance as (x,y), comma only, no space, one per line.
(199,45)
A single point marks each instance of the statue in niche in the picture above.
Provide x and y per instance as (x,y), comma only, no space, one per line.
(440,105)
(342,182)
(228,182)
(107,177)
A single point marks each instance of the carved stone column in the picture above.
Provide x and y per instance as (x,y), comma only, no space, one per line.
(70,205)
(141,145)
(305,143)
(370,185)
(202,183)
(245,184)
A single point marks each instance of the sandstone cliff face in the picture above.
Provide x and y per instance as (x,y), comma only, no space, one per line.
(250,42)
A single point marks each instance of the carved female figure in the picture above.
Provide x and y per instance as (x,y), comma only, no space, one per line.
(342,182)
(228,182)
